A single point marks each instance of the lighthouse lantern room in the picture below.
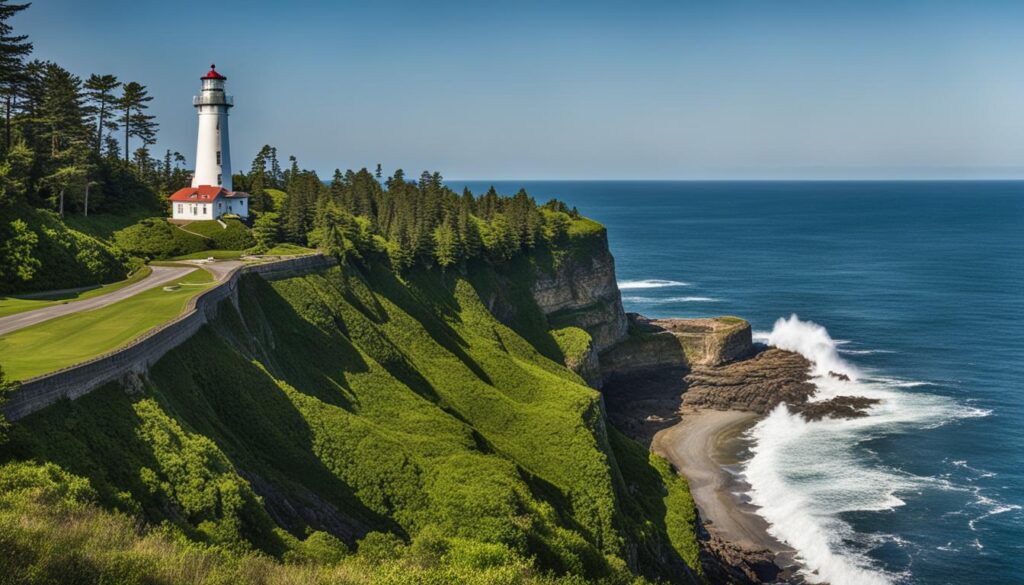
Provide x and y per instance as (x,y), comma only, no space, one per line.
(210,195)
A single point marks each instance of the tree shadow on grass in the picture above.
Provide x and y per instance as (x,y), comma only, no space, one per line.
(429,300)
(244,410)
(100,436)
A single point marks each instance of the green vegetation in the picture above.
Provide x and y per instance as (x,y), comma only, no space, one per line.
(431,438)
(61,160)
(415,223)
(69,539)
(75,338)
(234,237)
(102,226)
(729,319)
(6,387)
(372,423)
(215,254)
(289,250)
(38,252)
(573,342)
(12,305)
(154,238)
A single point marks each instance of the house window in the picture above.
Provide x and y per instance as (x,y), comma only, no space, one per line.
(204,209)
(179,208)
(218,157)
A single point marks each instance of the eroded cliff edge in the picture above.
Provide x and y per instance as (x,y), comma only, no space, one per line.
(653,372)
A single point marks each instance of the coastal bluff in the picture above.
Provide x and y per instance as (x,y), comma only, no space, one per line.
(677,343)
(581,291)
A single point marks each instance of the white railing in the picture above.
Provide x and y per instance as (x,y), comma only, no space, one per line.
(213,100)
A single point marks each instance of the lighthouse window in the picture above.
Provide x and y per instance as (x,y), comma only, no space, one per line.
(218,157)
(219,182)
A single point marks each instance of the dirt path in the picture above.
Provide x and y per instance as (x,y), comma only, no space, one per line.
(161,275)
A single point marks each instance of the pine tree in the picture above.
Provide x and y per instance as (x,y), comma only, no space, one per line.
(266,231)
(61,110)
(133,103)
(276,176)
(99,91)
(446,250)
(13,50)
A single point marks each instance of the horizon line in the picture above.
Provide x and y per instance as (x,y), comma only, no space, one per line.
(758,180)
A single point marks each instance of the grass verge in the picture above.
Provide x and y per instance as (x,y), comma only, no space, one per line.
(75,338)
(19,304)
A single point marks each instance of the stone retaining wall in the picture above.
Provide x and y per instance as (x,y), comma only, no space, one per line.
(136,357)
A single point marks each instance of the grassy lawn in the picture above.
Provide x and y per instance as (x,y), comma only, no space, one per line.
(217,254)
(289,250)
(71,339)
(12,305)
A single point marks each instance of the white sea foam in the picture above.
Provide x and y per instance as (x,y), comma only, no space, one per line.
(649,283)
(661,301)
(804,475)
(864,351)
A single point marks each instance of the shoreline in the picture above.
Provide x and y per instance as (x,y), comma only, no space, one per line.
(701,446)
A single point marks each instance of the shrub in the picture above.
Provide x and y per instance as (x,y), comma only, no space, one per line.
(38,252)
(155,239)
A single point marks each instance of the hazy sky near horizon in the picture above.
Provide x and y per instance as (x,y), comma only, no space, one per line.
(716,89)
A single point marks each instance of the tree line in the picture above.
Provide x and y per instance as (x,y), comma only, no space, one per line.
(73,144)
(415,222)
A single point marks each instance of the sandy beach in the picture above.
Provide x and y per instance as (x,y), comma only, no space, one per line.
(699,445)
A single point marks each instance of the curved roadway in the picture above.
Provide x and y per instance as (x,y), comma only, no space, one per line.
(161,275)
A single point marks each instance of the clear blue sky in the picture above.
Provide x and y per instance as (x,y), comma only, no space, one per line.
(715,89)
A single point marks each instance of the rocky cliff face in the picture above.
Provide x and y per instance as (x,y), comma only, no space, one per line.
(581,291)
(677,343)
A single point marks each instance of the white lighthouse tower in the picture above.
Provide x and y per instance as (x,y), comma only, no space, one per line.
(211,196)
(213,150)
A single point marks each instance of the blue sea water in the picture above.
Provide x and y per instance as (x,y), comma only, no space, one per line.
(914,288)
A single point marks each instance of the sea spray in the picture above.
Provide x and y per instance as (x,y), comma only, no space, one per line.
(805,475)
(811,341)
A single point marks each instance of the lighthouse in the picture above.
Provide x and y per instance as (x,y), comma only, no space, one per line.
(210,195)
(213,149)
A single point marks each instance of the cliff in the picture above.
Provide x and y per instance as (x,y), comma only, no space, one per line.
(353,408)
(579,289)
(677,343)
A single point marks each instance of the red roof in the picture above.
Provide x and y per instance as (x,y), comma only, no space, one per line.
(205,193)
(212,73)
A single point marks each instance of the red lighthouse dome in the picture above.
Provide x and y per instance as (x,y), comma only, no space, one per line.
(212,73)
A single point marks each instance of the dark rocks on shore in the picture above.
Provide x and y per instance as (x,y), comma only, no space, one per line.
(655,379)
(839,376)
(761,383)
(725,562)
(758,384)
(838,407)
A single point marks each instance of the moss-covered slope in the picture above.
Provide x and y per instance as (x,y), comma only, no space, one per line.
(352,402)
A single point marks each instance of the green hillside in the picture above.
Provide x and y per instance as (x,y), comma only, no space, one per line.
(40,252)
(348,426)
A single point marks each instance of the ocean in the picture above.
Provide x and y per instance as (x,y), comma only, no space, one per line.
(916,290)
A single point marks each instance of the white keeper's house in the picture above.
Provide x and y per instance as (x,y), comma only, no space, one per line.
(210,195)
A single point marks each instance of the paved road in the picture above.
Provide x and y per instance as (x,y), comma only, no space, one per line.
(220,269)
(161,275)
